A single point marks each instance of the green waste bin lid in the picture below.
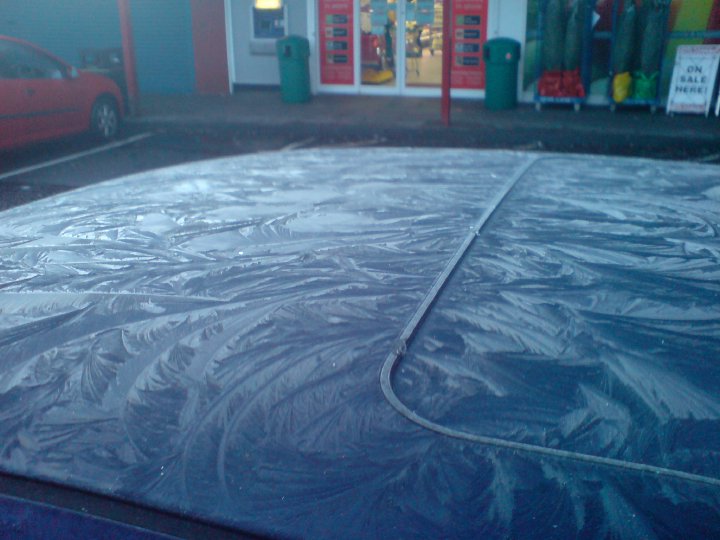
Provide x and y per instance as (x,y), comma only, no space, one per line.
(501,50)
(298,45)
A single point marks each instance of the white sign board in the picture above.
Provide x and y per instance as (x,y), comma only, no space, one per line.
(693,79)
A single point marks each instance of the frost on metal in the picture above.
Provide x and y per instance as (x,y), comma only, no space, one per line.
(208,339)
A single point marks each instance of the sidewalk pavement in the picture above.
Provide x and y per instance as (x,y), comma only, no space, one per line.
(417,121)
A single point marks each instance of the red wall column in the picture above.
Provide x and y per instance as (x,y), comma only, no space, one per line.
(210,44)
(128,47)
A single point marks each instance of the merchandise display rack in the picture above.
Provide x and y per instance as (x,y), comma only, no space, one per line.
(585,59)
(634,102)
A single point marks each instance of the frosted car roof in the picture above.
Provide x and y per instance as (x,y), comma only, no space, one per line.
(209,338)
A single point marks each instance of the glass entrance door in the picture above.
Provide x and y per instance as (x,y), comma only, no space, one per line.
(423,43)
(400,44)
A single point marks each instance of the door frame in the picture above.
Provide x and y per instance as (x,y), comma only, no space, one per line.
(230,46)
(400,89)
(357,88)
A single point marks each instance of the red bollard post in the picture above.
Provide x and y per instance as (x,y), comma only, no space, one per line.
(446,64)
(128,47)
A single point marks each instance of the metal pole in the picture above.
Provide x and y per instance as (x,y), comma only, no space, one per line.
(128,47)
(446,61)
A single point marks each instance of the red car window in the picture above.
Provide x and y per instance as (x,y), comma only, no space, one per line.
(20,62)
(6,71)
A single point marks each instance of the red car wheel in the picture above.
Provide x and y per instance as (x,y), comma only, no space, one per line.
(105,119)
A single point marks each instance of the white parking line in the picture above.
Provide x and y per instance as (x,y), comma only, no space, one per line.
(297,144)
(709,159)
(79,155)
(369,142)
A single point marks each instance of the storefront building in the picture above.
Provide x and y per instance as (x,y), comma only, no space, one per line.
(392,47)
(371,46)
(381,47)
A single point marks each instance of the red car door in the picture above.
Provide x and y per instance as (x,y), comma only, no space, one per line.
(14,117)
(38,96)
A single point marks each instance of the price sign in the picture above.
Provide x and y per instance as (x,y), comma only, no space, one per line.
(336,42)
(469,30)
(425,13)
(693,79)
(379,12)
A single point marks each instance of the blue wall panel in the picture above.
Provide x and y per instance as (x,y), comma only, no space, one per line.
(162,30)
(63,27)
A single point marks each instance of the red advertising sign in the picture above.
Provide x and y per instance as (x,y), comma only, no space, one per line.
(336,41)
(469,33)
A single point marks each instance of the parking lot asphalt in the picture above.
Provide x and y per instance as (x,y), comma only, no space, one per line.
(413,121)
(175,129)
(46,169)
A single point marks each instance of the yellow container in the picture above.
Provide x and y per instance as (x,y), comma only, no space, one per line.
(622,86)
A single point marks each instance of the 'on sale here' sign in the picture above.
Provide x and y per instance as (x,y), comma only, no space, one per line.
(693,79)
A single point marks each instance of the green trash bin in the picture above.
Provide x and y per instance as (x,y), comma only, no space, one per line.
(293,53)
(501,56)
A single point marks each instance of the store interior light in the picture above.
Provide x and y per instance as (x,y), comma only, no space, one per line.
(268,4)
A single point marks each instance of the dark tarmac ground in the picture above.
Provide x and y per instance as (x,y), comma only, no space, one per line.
(172,130)
(159,149)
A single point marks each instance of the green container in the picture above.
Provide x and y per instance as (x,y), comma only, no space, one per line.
(501,57)
(293,53)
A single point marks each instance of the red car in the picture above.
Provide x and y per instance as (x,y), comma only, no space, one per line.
(42,97)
